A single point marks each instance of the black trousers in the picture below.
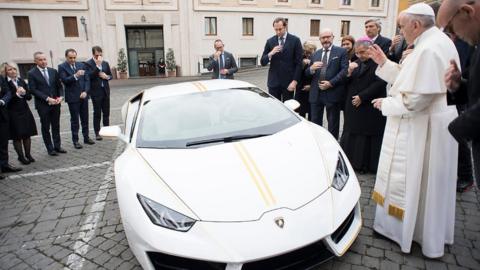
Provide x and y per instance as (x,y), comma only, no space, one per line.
(465,171)
(78,110)
(280,93)
(333,116)
(476,160)
(50,118)
(4,127)
(302,97)
(101,105)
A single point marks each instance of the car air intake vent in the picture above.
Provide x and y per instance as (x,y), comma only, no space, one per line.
(162,261)
(305,258)
(343,229)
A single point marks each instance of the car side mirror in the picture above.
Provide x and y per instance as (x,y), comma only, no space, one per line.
(292,104)
(112,132)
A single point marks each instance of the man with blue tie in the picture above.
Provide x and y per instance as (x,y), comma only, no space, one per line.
(77,86)
(284,53)
(328,67)
(44,83)
(221,62)
(99,73)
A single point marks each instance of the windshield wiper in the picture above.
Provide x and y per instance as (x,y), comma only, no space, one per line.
(226,139)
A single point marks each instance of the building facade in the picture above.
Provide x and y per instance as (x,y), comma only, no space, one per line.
(146,29)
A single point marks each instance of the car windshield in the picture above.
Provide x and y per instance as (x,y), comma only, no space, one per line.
(200,119)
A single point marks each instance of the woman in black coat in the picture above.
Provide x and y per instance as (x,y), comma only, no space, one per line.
(22,123)
(363,124)
(303,86)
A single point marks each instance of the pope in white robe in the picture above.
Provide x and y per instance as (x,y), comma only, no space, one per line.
(415,187)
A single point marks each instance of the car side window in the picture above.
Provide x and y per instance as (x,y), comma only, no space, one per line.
(132,112)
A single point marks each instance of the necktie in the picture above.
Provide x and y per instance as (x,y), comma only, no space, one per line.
(101,70)
(73,68)
(323,70)
(45,75)
(220,76)
(282,41)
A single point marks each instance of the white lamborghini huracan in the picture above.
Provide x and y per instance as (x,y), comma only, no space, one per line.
(219,174)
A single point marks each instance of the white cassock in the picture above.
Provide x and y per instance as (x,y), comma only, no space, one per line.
(415,187)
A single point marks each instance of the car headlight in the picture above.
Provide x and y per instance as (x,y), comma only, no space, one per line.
(164,216)
(341,174)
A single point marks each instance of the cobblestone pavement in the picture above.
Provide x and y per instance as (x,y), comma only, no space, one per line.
(62,212)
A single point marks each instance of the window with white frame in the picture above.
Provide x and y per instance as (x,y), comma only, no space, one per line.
(247,26)
(248,62)
(314,28)
(210,26)
(345,28)
(22,26)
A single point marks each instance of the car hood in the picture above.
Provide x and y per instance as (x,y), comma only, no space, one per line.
(241,181)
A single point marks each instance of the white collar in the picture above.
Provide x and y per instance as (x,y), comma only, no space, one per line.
(10,79)
(41,69)
(375,38)
(329,48)
(284,36)
(423,35)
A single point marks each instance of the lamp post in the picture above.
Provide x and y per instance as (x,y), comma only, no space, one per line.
(82,21)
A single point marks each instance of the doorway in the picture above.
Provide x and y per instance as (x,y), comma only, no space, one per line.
(145,47)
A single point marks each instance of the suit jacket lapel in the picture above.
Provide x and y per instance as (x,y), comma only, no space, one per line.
(330,57)
(50,76)
(11,84)
(286,43)
(39,73)
(69,69)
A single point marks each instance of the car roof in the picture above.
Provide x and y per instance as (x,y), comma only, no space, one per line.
(192,87)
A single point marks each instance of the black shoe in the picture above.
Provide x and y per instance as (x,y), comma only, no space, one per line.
(61,150)
(88,141)
(30,158)
(23,160)
(98,137)
(9,168)
(463,186)
(77,145)
(52,153)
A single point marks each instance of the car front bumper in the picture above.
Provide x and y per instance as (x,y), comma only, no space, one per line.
(245,245)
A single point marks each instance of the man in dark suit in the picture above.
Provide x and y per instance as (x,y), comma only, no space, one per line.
(99,73)
(284,53)
(44,83)
(463,16)
(77,85)
(221,62)
(5,96)
(328,66)
(398,46)
(372,30)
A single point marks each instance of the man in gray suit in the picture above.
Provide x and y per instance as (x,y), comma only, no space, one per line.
(221,62)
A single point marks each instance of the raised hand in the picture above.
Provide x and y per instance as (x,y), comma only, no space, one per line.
(377,55)
(453,77)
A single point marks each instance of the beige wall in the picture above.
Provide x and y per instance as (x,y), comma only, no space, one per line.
(182,21)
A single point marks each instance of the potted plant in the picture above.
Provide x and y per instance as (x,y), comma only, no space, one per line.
(122,64)
(171,65)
